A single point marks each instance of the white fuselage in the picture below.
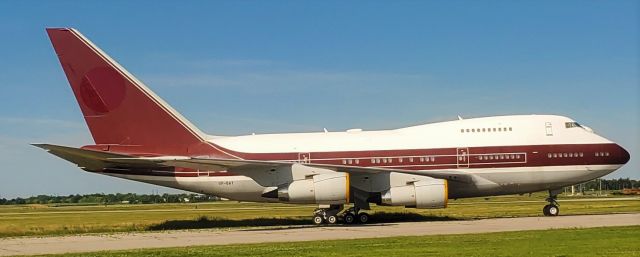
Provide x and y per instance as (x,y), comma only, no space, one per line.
(522,141)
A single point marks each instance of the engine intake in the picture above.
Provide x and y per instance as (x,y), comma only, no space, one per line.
(422,194)
(327,188)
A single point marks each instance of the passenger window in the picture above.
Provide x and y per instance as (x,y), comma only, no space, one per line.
(410,159)
(549,155)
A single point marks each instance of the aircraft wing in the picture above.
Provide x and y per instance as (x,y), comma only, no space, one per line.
(96,161)
(244,165)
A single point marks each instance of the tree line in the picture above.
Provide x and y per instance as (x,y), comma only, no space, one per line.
(128,198)
(610,184)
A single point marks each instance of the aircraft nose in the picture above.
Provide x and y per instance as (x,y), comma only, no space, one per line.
(624,155)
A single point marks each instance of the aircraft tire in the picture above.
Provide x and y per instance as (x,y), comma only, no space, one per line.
(545,210)
(317,219)
(332,219)
(553,210)
(363,218)
(349,218)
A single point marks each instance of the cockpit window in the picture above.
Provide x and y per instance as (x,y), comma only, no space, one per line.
(572,125)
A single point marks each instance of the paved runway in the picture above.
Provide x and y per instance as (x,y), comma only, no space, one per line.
(121,241)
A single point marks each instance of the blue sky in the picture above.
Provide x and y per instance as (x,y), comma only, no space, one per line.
(238,67)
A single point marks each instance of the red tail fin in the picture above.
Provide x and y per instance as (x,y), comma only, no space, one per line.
(121,112)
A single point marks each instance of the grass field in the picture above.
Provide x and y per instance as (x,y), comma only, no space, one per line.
(25,220)
(612,241)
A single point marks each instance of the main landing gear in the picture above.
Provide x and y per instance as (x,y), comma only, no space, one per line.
(353,215)
(332,215)
(552,208)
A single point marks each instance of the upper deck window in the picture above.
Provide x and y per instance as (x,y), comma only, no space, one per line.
(572,125)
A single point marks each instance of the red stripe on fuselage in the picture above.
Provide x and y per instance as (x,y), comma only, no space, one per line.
(443,158)
(447,158)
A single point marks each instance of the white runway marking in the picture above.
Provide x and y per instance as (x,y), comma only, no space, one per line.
(122,241)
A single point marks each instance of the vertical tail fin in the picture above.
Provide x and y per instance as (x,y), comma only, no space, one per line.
(120,111)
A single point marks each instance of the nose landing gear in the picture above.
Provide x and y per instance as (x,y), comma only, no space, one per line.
(552,208)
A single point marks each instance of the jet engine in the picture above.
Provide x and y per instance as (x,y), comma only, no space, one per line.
(422,194)
(326,188)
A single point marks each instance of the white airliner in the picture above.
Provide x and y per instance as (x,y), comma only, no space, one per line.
(140,137)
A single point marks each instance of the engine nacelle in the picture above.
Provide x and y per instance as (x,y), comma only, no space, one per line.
(327,188)
(422,194)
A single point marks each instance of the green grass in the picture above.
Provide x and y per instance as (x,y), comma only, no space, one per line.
(30,220)
(612,241)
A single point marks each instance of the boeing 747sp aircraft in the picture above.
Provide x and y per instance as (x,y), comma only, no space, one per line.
(140,137)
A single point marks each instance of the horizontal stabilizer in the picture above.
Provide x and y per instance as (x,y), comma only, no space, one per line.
(94,160)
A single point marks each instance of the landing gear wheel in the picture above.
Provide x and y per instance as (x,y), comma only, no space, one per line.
(332,219)
(317,219)
(363,218)
(349,218)
(545,210)
(553,210)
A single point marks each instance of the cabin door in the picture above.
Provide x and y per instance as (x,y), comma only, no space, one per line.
(463,157)
(548,128)
(304,157)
